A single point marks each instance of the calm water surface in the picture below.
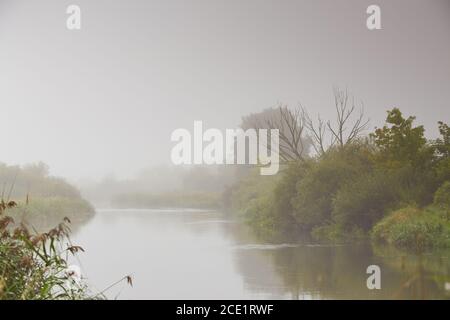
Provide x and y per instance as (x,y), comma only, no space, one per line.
(192,254)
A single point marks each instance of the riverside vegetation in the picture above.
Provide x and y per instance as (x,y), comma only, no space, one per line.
(42,200)
(392,185)
(34,262)
(35,255)
(337,183)
(35,266)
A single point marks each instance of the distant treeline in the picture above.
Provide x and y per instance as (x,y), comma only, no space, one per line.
(197,200)
(393,184)
(161,186)
(33,180)
(43,201)
(37,213)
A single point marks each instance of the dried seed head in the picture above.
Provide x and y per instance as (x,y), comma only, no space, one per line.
(75,249)
(129,280)
(4,222)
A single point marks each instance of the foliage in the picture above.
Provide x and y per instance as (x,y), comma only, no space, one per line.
(35,266)
(338,233)
(414,228)
(399,142)
(19,181)
(442,153)
(294,144)
(44,213)
(442,197)
(342,193)
(405,152)
(313,201)
(43,200)
(252,198)
(364,200)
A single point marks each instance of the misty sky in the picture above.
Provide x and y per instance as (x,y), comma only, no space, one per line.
(105,99)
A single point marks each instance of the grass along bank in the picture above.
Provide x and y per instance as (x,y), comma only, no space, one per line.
(44,213)
(418,228)
(414,228)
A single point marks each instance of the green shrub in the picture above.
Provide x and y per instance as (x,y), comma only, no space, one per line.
(343,193)
(337,233)
(264,202)
(414,228)
(250,187)
(442,196)
(259,215)
(252,200)
(313,202)
(363,201)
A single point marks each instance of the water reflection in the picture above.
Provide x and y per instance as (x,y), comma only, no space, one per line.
(191,254)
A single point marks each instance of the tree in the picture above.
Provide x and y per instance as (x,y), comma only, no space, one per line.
(321,181)
(442,152)
(399,141)
(403,152)
(294,143)
(442,144)
(347,127)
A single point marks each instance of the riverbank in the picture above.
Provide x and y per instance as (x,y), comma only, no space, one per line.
(393,185)
(42,214)
(38,212)
(414,228)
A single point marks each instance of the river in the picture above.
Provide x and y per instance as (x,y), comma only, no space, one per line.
(194,254)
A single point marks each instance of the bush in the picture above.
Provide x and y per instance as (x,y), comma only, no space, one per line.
(285,190)
(442,196)
(313,202)
(414,228)
(259,215)
(252,200)
(342,193)
(250,187)
(363,202)
(337,233)
(268,210)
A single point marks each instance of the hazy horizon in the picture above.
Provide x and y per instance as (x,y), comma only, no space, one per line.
(105,99)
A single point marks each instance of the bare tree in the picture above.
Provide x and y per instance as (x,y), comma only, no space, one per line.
(317,133)
(348,126)
(294,144)
(298,131)
(344,117)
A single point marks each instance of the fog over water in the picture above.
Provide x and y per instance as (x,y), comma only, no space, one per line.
(192,254)
(105,99)
(86,123)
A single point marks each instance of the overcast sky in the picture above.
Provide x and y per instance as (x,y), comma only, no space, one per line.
(106,98)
